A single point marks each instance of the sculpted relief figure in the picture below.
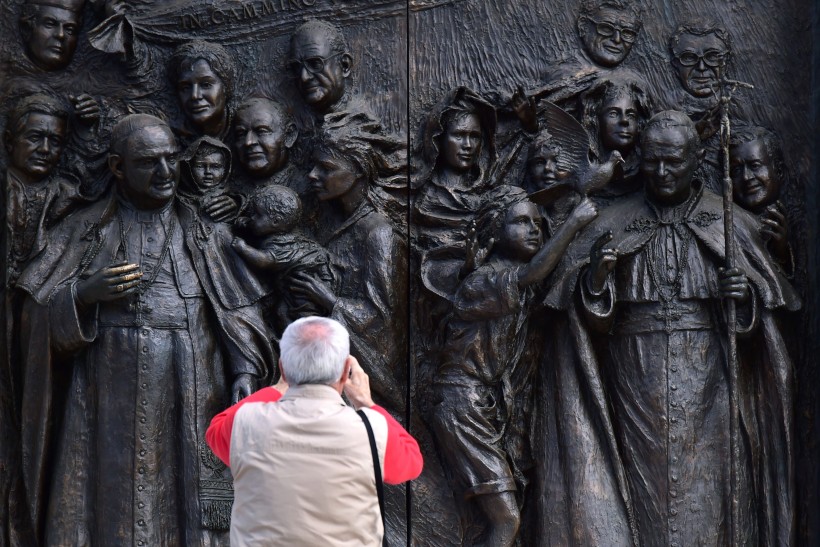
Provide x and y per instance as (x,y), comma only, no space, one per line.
(614,111)
(484,379)
(321,64)
(758,175)
(49,29)
(205,176)
(36,196)
(263,137)
(282,253)
(127,328)
(203,75)
(654,288)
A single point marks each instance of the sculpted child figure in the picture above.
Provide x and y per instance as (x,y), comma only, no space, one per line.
(208,167)
(282,252)
(483,375)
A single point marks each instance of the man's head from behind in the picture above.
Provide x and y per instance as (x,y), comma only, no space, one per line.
(314,350)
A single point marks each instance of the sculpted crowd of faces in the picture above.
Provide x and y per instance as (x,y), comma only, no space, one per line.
(755,179)
(700,61)
(147,169)
(320,70)
(608,35)
(202,95)
(670,159)
(262,138)
(50,34)
(35,145)
(461,141)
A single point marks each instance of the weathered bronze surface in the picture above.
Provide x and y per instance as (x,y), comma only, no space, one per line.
(574,243)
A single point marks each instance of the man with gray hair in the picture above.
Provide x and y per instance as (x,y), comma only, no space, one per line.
(295,460)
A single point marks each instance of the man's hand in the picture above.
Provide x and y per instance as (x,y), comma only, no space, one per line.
(357,387)
(525,110)
(109,283)
(733,284)
(86,108)
(221,208)
(243,385)
(602,261)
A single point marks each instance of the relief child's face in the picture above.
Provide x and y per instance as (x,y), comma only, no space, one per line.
(208,169)
(521,235)
(265,222)
(542,168)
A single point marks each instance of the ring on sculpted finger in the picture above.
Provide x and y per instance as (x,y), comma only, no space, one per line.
(120,288)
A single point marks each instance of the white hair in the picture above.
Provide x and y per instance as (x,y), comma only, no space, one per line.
(314,350)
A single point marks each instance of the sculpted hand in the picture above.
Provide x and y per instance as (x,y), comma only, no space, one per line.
(357,387)
(109,283)
(314,290)
(86,108)
(221,208)
(774,226)
(602,260)
(243,385)
(240,246)
(525,110)
(733,284)
(476,255)
(584,213)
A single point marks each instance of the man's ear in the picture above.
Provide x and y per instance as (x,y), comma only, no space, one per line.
(346,62)
(581,27)
(115,164)
(701,154)
(291,134)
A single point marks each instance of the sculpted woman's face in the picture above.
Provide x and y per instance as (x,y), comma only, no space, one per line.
(202,94)
(332,177)
(461,143)
(618,124)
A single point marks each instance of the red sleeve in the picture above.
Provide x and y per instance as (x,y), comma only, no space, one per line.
(402,457)
(218,435)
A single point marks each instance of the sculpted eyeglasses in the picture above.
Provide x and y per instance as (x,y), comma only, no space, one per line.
(712,58)
(603,28)
(313,65)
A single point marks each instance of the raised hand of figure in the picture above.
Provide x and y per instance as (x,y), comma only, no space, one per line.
(109,283)
(525,110)
(602,260)
(733,284)
(357,387)
(585,212)
(243,385)
(774,226)
(221,208)
(86,108)
(314,290)
(476,254)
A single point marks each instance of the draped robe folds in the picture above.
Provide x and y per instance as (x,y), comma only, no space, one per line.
(117,397)
(663,370)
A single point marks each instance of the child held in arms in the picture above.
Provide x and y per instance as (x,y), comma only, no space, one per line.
(281,251)
(482,378)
